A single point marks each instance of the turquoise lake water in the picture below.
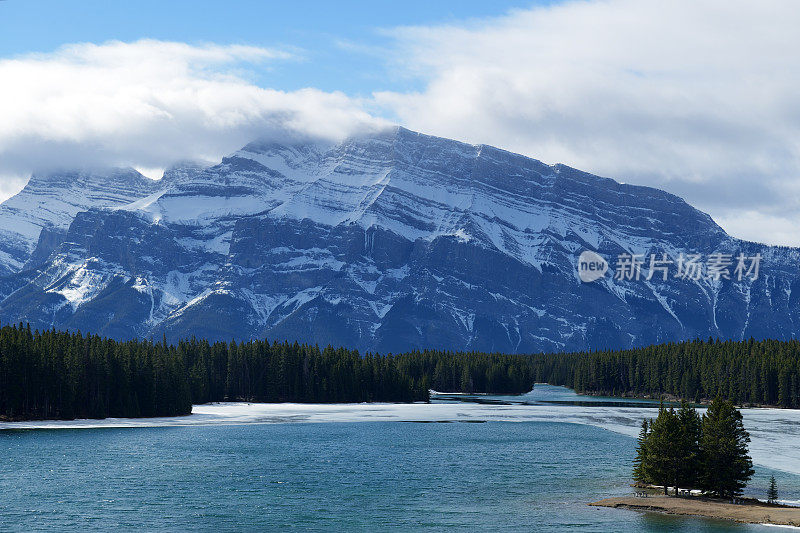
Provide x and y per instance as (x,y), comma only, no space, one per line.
(361,476)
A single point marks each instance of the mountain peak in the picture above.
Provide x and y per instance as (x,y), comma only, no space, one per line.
(113,176)
(52,199)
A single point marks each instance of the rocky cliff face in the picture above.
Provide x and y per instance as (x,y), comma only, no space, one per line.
(51,201)
(385,242)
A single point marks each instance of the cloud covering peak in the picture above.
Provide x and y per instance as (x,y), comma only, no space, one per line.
(696,97)
(149,103)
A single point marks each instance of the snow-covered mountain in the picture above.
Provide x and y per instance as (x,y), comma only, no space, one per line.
(51,201)
(388,242)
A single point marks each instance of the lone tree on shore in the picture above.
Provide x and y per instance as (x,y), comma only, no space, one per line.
(681,450)
(725,465)
(772,491)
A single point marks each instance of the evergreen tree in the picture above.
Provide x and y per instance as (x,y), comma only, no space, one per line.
(640,463)
(772,491)
(681,450)
(688,447)
(663,450)
(725,466)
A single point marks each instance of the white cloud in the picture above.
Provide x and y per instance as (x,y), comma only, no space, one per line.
(695,97)
(761,227)
(148,104)
(698,98)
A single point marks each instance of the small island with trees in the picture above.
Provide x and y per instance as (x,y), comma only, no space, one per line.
(702,466)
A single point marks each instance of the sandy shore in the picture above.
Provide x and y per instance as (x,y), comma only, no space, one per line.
(750,512)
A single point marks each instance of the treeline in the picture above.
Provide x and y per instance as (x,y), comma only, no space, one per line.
(281,372)
(260,371)
(64,375)
(682,450)
(472,372)
(52,374)
(746,372)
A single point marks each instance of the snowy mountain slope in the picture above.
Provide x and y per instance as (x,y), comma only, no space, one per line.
(52,200)
(388,242)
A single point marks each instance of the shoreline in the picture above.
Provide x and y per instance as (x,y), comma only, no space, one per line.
(747,512)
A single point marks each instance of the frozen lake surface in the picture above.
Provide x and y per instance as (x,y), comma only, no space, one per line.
(775,433)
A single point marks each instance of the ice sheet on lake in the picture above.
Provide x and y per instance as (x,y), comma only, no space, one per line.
(775,433)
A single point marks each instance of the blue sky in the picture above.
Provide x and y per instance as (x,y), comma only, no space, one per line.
(317,31)
(696,97)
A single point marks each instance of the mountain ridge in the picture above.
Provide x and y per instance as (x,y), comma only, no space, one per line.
(51,200)
(391,241)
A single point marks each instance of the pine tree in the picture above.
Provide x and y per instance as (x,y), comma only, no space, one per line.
(663,451)
(772,491)
(466,380)
(689,447)
(640,463)
(725,466)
